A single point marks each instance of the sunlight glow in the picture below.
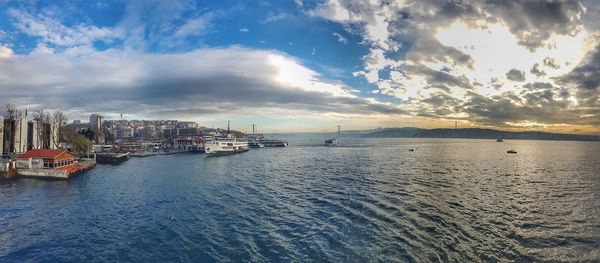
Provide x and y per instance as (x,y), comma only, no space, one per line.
(296,76)
(495,51)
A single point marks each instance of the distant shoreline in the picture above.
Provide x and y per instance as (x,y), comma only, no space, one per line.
(466,133)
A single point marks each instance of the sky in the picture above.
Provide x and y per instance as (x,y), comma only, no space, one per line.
(309,65)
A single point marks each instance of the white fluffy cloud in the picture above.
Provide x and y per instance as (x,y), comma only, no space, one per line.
(53,32)
(205,81)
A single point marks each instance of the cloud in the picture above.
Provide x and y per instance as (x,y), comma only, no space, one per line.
(53,32)
(196,26)
(451,59)
(5,51)
(205,81)
(244,30)
(585,76)
(515,75)
(535,70)
(550,62)
(274,17)
(340,38)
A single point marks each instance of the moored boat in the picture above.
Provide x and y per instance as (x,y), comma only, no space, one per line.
(513,151)
(255,144)
(273,142)
(225,146)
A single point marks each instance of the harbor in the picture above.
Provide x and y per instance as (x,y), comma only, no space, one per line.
(65,151)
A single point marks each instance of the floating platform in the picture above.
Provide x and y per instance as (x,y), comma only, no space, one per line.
(111,158)
(148,154)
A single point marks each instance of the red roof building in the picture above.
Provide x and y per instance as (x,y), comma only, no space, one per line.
(52,158)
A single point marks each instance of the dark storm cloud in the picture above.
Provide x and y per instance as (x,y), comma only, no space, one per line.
(585,76)
(539,106)
(534,21)
(585,80)
(515,75)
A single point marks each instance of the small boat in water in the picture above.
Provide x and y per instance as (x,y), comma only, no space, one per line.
(331,142)
(499,140)
(411,150)
(511,151)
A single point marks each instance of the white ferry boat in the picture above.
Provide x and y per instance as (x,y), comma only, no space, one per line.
(225,146)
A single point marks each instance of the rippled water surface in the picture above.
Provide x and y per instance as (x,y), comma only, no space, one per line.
(367,200)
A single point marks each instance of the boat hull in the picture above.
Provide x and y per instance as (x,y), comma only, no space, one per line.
(224,153)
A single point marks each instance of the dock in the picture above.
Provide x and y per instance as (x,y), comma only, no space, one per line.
(62,173)
(148,154)
(111,158)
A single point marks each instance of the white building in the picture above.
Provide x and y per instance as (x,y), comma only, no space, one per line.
(19,139)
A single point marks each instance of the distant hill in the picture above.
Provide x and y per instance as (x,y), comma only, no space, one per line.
(475,133)
(470,133)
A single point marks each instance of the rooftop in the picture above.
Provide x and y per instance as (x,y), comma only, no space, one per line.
(42,153)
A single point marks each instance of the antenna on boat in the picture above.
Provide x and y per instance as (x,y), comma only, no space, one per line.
(227,127)
(252,128)
(339,129)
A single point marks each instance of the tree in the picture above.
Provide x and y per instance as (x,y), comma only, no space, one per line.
(11,112)
(38,118)
(61,120)
(81,145)
(12,115)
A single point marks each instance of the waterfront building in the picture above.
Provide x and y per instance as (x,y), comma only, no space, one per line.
(188,142)
(49,163)
(14,138)
(45,159)
(96,122)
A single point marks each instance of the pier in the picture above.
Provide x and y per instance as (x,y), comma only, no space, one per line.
(148,154)
(111,158)
(63,173)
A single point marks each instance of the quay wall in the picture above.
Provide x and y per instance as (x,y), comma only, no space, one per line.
(43,173)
